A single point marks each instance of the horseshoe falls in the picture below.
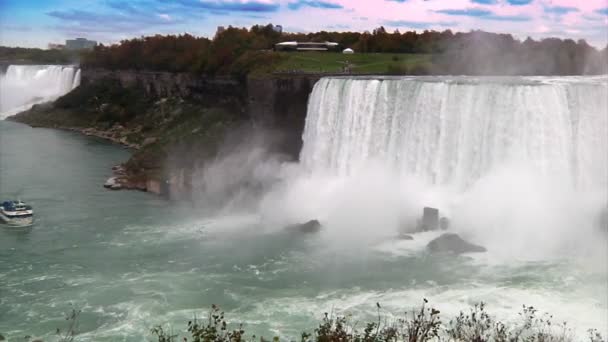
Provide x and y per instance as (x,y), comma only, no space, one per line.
(22,86)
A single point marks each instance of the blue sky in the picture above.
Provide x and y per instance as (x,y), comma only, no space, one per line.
(35,23)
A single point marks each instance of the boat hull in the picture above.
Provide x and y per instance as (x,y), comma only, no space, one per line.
(16,222)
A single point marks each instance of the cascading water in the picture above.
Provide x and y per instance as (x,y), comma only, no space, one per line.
(496,155)
(25,85)
(455,131)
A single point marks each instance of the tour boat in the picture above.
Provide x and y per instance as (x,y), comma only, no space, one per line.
(16,214)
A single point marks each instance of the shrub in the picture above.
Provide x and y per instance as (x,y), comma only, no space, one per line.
(419,325)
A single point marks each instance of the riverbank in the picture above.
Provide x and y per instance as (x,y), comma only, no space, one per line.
(175,123)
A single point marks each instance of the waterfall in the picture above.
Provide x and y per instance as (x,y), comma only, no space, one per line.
(453,131)
(25,85)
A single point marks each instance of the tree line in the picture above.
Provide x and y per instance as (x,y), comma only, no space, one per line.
(239,51)
(18,55)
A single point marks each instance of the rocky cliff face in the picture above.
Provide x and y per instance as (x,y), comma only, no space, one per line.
(277,102)
(166,84)
(176,122)
(280,102)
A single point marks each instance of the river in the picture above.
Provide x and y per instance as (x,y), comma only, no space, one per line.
(130,260)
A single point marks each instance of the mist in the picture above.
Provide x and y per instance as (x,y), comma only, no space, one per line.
(245,166)
(525,191)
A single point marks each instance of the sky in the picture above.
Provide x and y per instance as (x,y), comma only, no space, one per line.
(36,23)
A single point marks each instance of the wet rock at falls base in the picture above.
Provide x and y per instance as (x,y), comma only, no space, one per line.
(403,236)
(112,183)
(452,243)
(602,220)
(444,223)
(312,226)
(429,221)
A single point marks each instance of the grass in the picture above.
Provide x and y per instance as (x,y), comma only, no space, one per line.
(363,63)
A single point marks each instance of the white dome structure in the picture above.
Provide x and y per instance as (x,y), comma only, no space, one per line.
(348,51)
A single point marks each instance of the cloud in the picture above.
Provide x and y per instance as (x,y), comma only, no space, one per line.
(397,0)
(485,2)
(295,5)
(593,17)
(468,12)
(17,28)
(559,10)
(603,11)
(102,21)
(519,2)
(230,5)
(417,24)
(515,18)
(117,19)
(483,14)
(338,27)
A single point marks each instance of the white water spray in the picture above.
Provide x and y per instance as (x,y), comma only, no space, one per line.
(519,164)
(25,85)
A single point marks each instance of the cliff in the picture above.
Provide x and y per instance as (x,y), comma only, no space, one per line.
(280,102)
(177,122)
(158,84)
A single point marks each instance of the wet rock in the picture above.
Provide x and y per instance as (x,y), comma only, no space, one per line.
(119,170)
(148,141)
(112,183)
(444,223)
(403,236)
(312,226)
(452,243)
(429,221)
(602,220)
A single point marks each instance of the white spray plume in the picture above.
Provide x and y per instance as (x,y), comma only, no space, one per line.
(22,86)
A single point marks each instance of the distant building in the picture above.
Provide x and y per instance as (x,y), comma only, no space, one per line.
(278,28)
(306,46)
(52,46)
(219,30)
(80,44)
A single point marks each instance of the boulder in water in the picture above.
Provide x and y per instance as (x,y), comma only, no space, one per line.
(444,223)
(602,220)
(452,243)
(113,184)
(312,226)
(429,221)
(403,236)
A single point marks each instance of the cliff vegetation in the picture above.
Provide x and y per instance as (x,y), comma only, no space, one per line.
(162,131)
(18,55)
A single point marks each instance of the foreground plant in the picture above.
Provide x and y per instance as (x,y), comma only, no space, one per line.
(419,325)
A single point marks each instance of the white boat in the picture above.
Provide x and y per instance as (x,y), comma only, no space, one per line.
(16,214)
